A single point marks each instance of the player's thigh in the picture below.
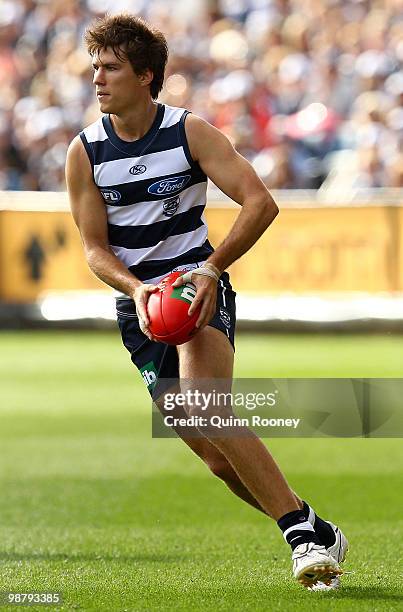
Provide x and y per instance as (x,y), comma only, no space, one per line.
(208,355)
(206,362)
(156,361)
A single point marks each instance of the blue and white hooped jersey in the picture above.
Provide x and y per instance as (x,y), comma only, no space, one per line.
(155,194)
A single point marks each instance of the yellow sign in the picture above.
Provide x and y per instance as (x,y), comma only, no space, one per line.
(40,251)
(319,249)
(306,250)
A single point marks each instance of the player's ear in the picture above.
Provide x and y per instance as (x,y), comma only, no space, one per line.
(146,77)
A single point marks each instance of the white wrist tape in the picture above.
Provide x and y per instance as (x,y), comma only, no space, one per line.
(203,271)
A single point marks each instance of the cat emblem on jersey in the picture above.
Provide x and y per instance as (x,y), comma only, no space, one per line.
(170,206)
(140,169)
(225,317)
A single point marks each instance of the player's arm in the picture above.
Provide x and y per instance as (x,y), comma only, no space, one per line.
(235,176)
(89,213)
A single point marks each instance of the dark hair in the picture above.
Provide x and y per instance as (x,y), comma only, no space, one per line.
(133,39)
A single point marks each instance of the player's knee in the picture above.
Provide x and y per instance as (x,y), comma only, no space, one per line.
(195,411)
(207,412)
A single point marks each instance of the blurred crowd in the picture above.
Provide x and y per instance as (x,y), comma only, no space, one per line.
(310,91)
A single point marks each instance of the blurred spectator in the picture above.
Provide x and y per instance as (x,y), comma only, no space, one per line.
(310,92)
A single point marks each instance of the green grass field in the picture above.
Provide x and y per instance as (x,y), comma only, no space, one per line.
(92,506)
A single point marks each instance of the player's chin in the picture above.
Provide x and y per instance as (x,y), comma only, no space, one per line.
(105,105)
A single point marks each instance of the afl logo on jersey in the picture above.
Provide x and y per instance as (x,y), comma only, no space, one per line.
(111,196)
(169,185)
(138,169)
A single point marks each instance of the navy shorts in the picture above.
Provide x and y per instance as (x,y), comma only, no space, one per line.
(157,360)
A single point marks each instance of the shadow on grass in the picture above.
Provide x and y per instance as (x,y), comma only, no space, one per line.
(73,558)
(370,593)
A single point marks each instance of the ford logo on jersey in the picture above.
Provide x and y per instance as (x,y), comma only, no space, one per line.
(169,185)
(111,196)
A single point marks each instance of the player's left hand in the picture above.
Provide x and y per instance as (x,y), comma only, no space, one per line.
(206,295)
(140,297)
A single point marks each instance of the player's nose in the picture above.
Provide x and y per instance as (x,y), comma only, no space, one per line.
(99,77)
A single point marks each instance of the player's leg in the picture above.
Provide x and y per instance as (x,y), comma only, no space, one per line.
(220,467)
(224,321)
(155,360)
(209,355)
(216,361)
(328,533)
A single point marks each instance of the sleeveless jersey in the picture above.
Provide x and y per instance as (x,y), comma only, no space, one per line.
(154,192)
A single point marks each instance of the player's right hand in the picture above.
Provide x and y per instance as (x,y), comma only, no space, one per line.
(140,297)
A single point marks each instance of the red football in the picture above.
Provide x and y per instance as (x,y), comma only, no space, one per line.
(168,311)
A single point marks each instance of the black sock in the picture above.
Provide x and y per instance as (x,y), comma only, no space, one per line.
(297,529)
(323,530)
